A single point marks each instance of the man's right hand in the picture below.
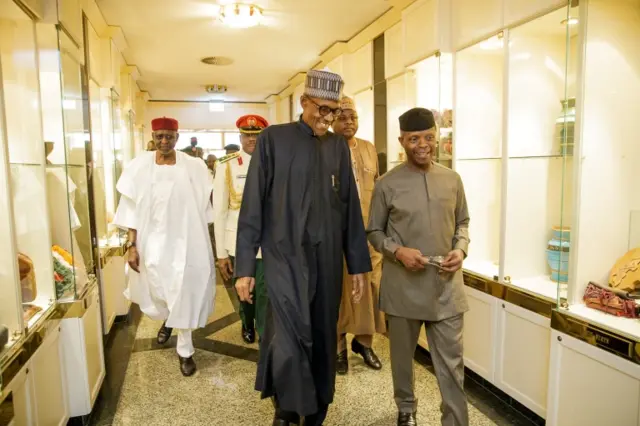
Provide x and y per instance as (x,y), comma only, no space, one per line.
(412,259)
(226,268)
(134,259)
(244,287)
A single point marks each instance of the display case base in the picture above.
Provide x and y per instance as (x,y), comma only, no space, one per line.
(33,391)
(506,340)
(588,385)
(114,283)
(82,348)
(472,379)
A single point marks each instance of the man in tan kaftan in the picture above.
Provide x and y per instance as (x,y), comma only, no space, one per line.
(362,319)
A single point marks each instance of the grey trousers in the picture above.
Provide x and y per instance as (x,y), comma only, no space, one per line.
(445,347)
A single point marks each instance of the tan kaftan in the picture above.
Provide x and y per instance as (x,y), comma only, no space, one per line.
(363,318)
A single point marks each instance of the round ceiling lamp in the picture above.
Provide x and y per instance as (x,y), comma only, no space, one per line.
(240,15)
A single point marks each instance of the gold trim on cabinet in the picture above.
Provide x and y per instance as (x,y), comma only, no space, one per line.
(107,253)
(26,349)
(509,294)
(77,308)
(594,335)
(529,302)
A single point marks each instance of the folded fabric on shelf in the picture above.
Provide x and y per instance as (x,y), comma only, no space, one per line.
(610,301)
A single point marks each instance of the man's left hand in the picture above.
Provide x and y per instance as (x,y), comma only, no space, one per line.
(453,261)
(244,287)
(358,287)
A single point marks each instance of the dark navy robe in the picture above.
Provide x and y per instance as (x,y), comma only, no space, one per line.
(301,206)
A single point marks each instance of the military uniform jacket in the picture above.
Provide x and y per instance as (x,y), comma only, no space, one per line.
(428,212)
(228,187)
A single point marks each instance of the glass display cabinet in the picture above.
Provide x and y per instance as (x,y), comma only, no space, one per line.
(119,135)
(102,136)
(541,85)
(70,185)
(479,131)
(515,112)
(31,379)
(434,91)
(401,95)
(26,226)
(595,348)
(62,124)
(602,190)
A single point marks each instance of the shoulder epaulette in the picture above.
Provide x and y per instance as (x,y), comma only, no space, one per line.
(226,158)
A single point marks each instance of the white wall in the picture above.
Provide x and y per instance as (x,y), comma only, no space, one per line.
(196,115)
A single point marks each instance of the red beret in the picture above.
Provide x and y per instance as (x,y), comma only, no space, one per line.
(251,124)
(164,123)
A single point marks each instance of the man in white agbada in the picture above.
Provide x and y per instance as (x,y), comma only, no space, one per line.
(166,207)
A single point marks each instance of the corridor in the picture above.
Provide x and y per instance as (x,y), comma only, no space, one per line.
(144,386)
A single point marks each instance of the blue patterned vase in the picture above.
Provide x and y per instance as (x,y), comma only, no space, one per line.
(558,254)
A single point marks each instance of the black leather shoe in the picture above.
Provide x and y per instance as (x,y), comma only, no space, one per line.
(280,422)
(248,334)
(407,419)
(369,356)
(187,366)
(164,334)
(342,363)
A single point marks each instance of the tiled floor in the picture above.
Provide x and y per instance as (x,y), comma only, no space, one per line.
(144,385)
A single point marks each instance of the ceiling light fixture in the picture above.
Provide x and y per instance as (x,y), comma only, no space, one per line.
(240,15)
(570,21)
(217,61)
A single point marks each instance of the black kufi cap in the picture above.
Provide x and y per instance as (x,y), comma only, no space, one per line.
(417,120)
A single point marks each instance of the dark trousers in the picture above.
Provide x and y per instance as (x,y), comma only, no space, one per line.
(253,314)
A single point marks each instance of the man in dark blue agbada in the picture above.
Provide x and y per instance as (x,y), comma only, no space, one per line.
(301,206)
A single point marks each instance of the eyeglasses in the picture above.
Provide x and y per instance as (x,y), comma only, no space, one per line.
(325,110)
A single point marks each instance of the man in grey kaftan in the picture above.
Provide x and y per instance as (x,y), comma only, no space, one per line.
(418,210)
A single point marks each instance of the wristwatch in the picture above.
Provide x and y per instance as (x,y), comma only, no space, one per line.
(129,244)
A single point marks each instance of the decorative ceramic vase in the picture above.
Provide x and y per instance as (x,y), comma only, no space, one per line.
(558,254)
(27,278)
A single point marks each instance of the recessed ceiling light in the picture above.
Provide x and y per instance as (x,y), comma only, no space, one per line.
(240,15)
(570,21)
(217,61)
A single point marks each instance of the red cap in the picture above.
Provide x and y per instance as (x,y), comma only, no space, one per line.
(164,123)
(251,124)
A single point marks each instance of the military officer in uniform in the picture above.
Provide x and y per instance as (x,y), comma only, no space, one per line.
(231,148)
(228,186)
